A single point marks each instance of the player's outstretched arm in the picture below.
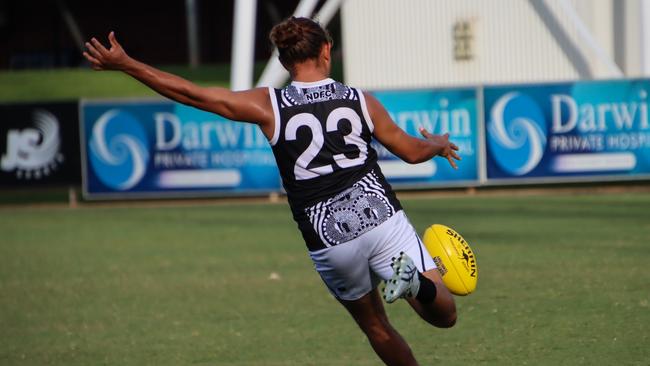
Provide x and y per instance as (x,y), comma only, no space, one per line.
(249,106)
(408,148)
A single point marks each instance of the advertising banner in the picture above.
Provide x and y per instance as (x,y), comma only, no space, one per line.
(161,148)
(450,111)
(39,144)
(567,131)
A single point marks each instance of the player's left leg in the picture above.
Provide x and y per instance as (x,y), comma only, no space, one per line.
(369,313)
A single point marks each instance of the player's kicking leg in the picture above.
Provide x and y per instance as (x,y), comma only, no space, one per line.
(425,292)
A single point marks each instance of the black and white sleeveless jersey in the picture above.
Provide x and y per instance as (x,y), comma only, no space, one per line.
(329,170)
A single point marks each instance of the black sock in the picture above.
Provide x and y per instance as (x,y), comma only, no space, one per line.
(428,291)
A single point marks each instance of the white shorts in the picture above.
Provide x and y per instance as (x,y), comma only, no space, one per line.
(352,269)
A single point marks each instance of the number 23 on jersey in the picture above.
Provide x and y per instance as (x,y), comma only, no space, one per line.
(301,168)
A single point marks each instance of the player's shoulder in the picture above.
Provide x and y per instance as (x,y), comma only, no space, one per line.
(259,93)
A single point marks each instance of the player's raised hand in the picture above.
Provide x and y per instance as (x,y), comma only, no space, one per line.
(448,148)
(101,58)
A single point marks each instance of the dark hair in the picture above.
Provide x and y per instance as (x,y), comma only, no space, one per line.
(298,39)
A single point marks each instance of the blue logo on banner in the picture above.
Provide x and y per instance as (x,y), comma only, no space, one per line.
(119,150)
(516,133)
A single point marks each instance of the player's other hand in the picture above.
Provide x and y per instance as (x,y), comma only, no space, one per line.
(448,148)
(102,58)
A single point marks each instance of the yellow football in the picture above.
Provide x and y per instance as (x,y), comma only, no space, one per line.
(453,256)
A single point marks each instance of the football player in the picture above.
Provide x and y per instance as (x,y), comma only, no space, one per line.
(320,131)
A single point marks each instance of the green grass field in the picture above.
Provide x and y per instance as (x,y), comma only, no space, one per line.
(563,280)
(70,84)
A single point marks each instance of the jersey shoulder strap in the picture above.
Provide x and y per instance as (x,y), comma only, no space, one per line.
(299,94)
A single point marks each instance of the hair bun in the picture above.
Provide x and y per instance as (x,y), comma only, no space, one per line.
(286,34)
(298,39)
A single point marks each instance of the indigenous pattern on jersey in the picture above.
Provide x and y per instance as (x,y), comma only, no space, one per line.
(292,95)
(352,212)
(329,170)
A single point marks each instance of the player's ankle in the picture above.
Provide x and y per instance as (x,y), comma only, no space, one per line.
(427,292)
